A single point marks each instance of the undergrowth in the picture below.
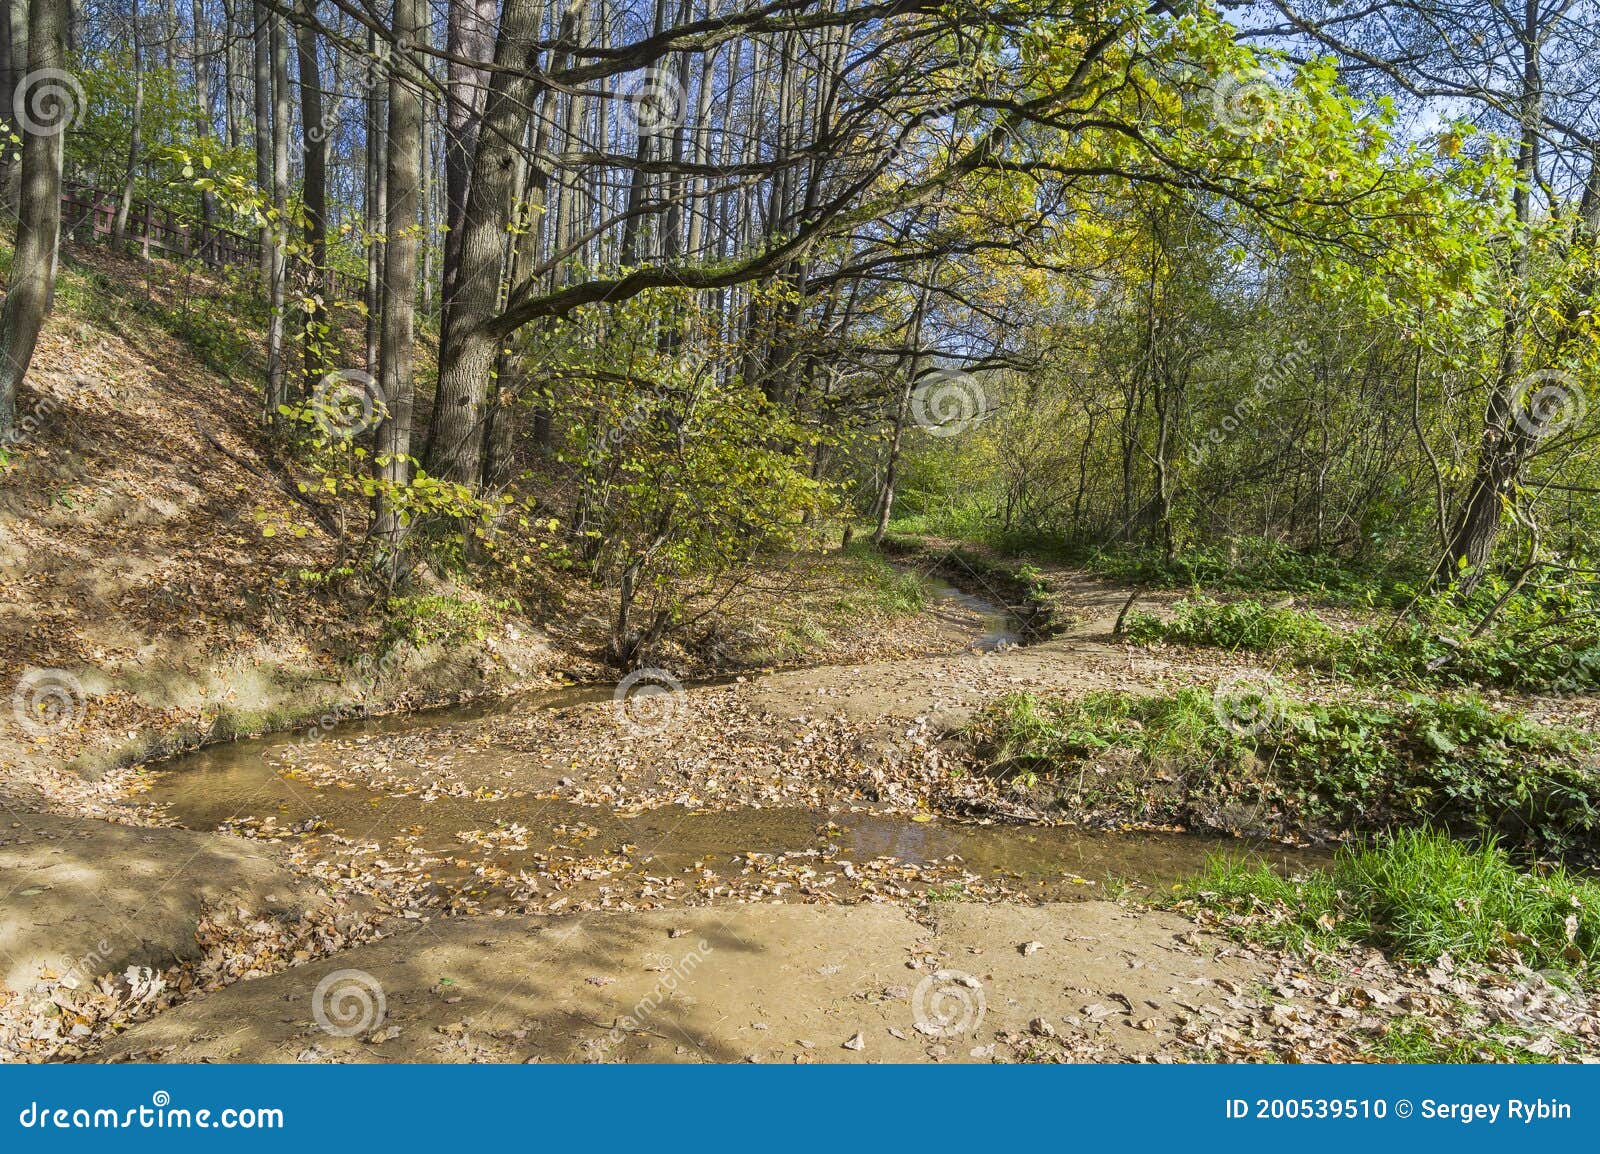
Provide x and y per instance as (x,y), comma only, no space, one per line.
(1452,761)
(1542,640)
(1416,895)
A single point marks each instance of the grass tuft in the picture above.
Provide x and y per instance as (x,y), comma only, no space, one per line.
(1418,895)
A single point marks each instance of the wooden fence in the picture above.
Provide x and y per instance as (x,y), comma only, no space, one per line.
(89,214)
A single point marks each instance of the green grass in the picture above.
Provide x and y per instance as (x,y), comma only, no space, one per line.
(1418,1040)
(424,619)
(1243,624)
(1416,895)
(1540,640)
(884,586)
(1452,761)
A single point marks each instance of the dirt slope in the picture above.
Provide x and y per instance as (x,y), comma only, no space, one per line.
(138,597)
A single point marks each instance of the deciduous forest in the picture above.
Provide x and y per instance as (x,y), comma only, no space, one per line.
(873,478)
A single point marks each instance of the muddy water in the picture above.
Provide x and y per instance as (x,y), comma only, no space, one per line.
(997,627)
(504,849)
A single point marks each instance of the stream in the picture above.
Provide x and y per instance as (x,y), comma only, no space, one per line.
(522,849)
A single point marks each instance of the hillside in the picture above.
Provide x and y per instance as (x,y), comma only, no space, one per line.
(131,551)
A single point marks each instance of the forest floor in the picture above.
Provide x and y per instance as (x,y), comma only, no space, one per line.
(133,569)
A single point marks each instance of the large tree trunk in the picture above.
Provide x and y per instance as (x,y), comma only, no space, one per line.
(469,36)
(314,162)
(277,287)
(467,350)
(402,162)
(261,42)
(32,281)
(202,116)
(16,21)
(375,209)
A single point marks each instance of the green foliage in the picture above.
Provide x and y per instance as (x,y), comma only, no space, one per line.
(1250,564)
(1024,730)
(893,590)
(1452,761)
(424,619)
(684,472)
(1418,1039)
(171,148)
(1234,625)
(1538,639)
(1419,894)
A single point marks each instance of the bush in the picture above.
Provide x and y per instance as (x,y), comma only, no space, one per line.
(891,589)
(1244,563)
(1236,625)
(424,619)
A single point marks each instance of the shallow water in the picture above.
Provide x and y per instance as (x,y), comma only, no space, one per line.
(251,786)
(234,784)
(998,628)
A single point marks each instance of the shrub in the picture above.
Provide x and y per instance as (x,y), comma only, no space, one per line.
(1246,564)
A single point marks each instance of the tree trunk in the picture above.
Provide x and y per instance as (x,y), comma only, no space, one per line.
(469,36)
(119,224)
(32,281)
(16,20)
(467,350)
(402,163)
(202,116)
(277,286)
(314,163)
(375,211)
(1505,445)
